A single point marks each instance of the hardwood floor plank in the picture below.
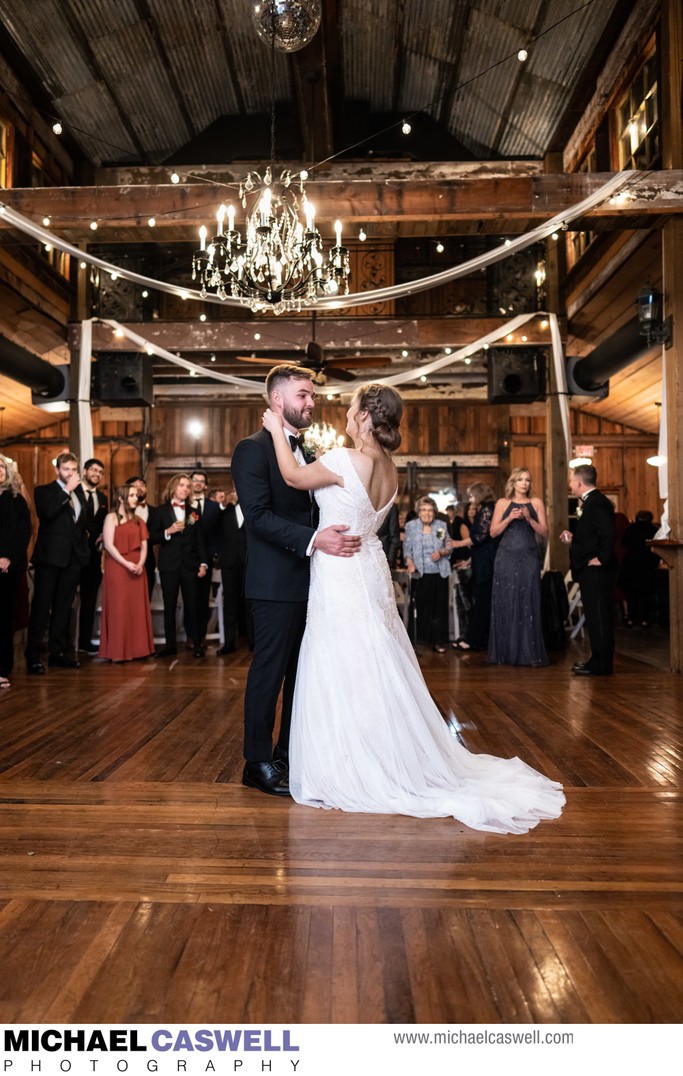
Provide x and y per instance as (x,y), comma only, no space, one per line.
(142,882)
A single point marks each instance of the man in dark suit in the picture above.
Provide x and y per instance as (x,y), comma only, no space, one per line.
(210,523)
(593,565)
(182,560)
(146,513)
(281,537)
(232,558)
(60,553)
(95,509)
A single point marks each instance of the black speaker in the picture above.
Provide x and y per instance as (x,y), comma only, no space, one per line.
(516,374)
(123,379)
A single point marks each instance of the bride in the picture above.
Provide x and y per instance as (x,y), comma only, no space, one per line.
(366,735)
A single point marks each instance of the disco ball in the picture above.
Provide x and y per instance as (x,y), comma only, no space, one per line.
(286,25)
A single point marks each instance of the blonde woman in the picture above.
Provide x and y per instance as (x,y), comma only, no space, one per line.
(519,520)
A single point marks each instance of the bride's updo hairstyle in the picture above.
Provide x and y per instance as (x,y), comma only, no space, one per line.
(385,407)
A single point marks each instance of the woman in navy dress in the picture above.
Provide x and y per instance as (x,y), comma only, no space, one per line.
(516,636)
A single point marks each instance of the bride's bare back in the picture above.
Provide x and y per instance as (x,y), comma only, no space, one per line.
(377,472)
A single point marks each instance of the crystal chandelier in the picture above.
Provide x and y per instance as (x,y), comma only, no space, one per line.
(321,438)
(278,263)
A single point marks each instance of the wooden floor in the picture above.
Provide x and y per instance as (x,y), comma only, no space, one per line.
(140,881)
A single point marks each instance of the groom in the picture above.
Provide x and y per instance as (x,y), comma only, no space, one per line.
(281,537)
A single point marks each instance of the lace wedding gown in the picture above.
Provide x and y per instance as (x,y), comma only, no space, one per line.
(366,735)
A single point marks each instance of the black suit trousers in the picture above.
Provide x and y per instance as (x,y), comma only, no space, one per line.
(278,631)
(597,597)
(183,581)
(91,577)
(53,595)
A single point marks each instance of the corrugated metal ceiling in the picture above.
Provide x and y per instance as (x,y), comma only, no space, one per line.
(136,80)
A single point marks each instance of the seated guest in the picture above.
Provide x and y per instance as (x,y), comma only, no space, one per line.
(182,560)
(427,558)
(15,534)
(126,621)
(146,513)
(60,552)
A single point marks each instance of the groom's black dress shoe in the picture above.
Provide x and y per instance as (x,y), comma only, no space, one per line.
(585,670)
(580,665)
(268,777)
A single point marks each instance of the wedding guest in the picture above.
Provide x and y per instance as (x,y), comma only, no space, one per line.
(483,548)
(593,564)
(182,560)
(389,535)
(126,621)
(519,520)
(427,558)
(146,513)
(638,572)
(15,534)
(95,507)
(231,561)
(60,552)
(210,526)
(461,573)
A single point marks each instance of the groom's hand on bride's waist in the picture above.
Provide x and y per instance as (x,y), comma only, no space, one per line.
(335,542)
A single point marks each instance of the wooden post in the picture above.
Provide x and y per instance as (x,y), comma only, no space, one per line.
(556,462)
(670,42)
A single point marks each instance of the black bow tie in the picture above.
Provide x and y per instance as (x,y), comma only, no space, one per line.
(296,442)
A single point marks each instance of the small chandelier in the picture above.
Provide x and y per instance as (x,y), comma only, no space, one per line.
(321,438)
(278,264)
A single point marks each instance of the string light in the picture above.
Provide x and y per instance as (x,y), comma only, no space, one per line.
(46,222)
(57,128)
(406,128)
(175,178)
(440,248)
(152,222)
(522,55)
(361,234)
(93,225)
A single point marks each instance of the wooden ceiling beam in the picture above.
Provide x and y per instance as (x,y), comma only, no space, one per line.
(451,202)
(348,334)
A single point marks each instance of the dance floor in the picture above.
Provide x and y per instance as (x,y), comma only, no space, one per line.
(142,882)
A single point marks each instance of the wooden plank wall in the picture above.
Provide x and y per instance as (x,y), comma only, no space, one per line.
(433,428)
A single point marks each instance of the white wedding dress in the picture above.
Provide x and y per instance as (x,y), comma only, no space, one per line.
(366,735)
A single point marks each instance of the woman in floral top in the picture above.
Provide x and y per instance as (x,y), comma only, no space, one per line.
(427,554)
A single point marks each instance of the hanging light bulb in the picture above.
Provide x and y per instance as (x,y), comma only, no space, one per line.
(57,127)
(406,128)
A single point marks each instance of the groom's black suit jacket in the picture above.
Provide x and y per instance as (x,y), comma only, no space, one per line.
(279,522)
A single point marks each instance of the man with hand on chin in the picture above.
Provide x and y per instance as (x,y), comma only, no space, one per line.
(593,565)
(281,537)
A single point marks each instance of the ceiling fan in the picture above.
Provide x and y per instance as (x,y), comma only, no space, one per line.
(337,367)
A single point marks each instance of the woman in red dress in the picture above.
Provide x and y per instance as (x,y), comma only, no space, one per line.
(126,622)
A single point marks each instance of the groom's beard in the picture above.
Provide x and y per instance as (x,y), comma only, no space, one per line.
(298,419)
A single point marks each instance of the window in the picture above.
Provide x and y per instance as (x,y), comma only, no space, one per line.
(638,120)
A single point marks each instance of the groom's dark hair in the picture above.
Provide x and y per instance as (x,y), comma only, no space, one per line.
(287,372)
